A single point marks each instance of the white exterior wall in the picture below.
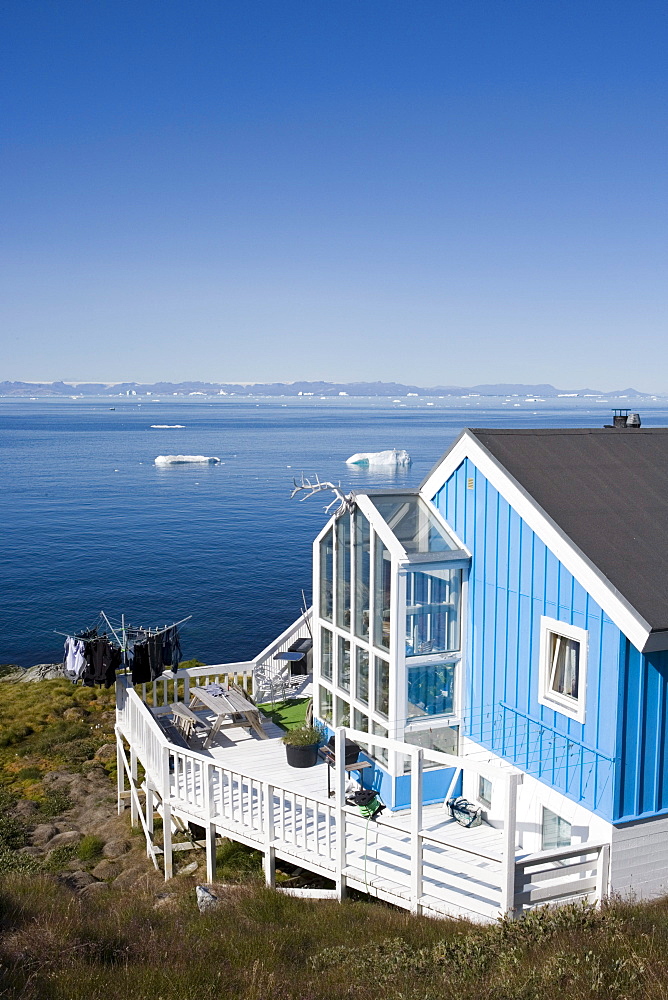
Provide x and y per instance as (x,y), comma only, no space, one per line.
(639,859)
(532,796)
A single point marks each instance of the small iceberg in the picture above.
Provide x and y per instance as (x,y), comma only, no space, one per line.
(186,460)
(395,457)
(164,427)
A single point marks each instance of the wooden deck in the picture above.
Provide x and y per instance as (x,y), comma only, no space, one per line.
(243,788)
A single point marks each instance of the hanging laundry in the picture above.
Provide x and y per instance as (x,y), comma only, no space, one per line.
(141,670)
(171,648)
(74,661)
(154,644)
(102,662)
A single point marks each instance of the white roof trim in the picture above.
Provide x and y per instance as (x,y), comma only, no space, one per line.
(613,603)
(380,526)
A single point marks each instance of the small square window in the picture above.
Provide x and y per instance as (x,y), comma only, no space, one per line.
(563,663)
(556,831)
(485,791)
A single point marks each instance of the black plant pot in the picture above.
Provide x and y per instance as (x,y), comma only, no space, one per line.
(302,756)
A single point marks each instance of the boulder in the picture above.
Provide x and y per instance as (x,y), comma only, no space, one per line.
(206,900)
(74,714)
(93,889)
(106,753)
(115,848)
(43,672)
(70,838)
(25,809)
(107,870)
(43,833)
(189,869)
(33,852)
(76,881)
(128,878)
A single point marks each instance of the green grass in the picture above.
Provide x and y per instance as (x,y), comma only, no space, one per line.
(287,714)
(262,945)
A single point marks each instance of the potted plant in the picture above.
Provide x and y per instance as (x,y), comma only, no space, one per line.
(301,745)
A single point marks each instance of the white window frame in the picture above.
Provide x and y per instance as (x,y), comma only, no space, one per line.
(574,708)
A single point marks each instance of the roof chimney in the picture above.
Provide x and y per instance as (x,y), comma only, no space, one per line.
(623,419)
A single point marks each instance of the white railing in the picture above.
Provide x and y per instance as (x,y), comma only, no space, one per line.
(174,686)
(562,874)
(410,865)
(271,674)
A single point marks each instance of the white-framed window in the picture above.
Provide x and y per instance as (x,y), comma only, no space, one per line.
(563,667)
(555,831)
(485,791)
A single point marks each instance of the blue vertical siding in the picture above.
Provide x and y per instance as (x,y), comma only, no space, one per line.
(514,580)
(642,778)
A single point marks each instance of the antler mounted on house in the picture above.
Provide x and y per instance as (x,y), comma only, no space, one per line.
(345,502)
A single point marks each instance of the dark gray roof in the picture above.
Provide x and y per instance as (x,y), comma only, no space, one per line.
(608,491)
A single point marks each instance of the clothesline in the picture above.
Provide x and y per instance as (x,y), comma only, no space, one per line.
(92,657)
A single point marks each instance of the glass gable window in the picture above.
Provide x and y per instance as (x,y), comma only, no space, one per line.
(327,576)
(413,523)
(381,686)
(431,689)
(432,611)
(343,677)
(325,704)
(362,536)
(343,572)
(326,653)
(382,585)
(362,675)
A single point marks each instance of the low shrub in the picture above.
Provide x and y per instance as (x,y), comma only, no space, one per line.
(55,802)
(90,848)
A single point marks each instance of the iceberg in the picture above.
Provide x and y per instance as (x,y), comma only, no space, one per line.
(186,460)
(162,427)
(395,457)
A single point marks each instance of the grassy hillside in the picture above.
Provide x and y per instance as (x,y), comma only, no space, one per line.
(89,919)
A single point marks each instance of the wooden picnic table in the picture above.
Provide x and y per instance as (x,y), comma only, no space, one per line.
(226,706)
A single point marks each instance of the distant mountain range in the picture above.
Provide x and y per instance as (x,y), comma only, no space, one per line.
(294,389)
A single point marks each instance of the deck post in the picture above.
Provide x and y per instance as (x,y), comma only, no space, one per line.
(211,852)
(602,873)
(149,799)
(120,773)
(417,765)
(134,790)
(340,787)
(269,859)
(167,840)
(509,837)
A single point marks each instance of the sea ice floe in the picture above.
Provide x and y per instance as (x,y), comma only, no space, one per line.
(395,456)
(162,427)
(186,460)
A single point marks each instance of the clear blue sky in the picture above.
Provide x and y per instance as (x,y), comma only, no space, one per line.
(438,192)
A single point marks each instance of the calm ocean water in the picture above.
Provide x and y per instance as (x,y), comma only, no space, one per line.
(89,523)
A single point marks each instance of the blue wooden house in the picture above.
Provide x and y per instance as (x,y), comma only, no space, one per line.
(514,610)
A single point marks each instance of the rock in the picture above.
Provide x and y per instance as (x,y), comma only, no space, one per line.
(73,714)
(33,852)
(69,838)
(206,900)
(78,880)
(93,889)
(43,672)
(25,809)
(11,672)
(165,900)
(90,767)
(106,753)
(128,878)
(107,870)
(189,869)
(115,848)
(43,833)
